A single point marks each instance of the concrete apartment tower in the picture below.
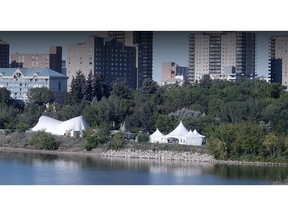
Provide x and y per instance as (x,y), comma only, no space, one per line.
(105,56)
(279,59)
(143,41)
(4,54)
(51,60)
(221,54)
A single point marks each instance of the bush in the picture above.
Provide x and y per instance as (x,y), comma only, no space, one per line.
(143,137)
(22,127)
(117,141)
(43,141)
(95,137)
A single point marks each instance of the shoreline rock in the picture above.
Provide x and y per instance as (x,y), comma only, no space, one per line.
(147,154)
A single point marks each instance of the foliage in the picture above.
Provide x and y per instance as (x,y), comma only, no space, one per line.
(4,97)
(95,137)
(89,87)
(245,119)
(121,89)
(43,141)
(143,137)
(117,141)
(78,87)
(230,141)
(101,89)
(40,96)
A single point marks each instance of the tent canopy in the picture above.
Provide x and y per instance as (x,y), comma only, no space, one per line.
(57,127)
(179,131)
(195,132)
(157,136)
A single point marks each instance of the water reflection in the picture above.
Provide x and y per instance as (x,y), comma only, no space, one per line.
(28,168)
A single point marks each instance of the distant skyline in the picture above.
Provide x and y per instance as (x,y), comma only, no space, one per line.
(167,46)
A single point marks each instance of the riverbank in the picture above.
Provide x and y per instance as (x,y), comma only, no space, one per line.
(146,154)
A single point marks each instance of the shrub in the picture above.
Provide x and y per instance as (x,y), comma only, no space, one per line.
(117,141)
(143,137)
(95,137)
(43,141)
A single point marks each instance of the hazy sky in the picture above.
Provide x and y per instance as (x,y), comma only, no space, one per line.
(168,46)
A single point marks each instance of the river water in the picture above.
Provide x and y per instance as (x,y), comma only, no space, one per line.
(44,169)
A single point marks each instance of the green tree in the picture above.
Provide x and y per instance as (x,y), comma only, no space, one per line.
(89,89)
(165,123)
(101,88)
(40,96)
(149,87)
(121,89)
(206,81)
(270,143)
(4,97)
(78,87)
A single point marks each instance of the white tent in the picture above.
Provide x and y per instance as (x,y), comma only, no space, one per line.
(193,138)
(157,137)
(70,127)
(46,124)
(178,133)
(195,132)
(77,124)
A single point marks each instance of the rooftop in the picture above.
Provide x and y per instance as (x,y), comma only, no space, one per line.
(30,72)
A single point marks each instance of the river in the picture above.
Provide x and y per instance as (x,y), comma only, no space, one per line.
(45,169)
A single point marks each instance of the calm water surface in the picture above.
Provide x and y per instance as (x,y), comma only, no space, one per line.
(41,169)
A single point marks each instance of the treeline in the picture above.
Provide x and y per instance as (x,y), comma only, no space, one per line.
(245,119)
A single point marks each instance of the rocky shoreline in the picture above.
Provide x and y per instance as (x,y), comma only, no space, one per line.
(147,154)
(182,156)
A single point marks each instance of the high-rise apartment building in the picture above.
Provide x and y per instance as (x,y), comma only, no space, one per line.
(4,54)
(143,41)
(221,54)
(279,59)
(52,60)
(105,56)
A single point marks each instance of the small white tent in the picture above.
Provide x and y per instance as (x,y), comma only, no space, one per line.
(196,132)
(193,138)
(178,133)
(157,137)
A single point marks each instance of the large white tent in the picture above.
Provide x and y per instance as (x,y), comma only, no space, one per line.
(178,133)
(46,124)
(157,137)
(70,127)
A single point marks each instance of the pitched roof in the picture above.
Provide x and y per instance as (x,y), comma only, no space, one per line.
(30,72)
(195,132)
(191,135)
(180,130)
(157,134)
